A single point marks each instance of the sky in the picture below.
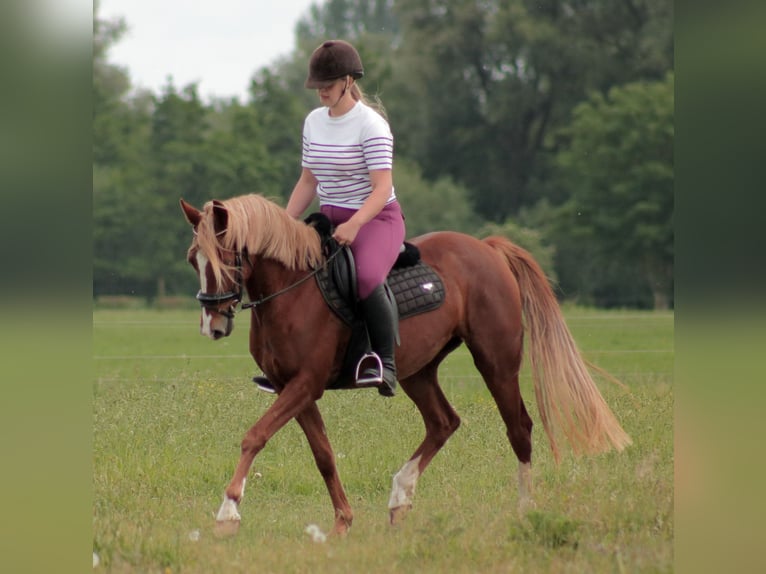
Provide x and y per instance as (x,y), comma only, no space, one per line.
(219,44)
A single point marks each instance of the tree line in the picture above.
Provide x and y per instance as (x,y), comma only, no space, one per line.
(549,122)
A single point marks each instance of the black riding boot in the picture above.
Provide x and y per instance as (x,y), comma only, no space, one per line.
(264,384)
(379,317)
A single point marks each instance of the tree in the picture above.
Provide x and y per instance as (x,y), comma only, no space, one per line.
(346,19)
(110,84)
(277,117)
(432,206)
(478,87)
(121,128)
(617,160)
(179,167)
(532,240)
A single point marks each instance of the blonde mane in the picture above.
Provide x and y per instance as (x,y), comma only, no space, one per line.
(262,228)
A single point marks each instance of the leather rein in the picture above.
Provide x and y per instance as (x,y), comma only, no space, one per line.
(212,301)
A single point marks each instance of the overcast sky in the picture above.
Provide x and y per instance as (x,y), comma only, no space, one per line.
(217,43)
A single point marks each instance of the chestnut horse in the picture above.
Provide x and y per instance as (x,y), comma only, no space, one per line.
(250,243)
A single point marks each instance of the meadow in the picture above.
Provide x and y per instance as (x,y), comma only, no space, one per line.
(170,408)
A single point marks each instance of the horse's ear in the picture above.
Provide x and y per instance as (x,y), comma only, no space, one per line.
(192,214)
(220,217)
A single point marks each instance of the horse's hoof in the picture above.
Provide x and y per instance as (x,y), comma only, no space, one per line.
(340,529)
(226,528)
(396,515)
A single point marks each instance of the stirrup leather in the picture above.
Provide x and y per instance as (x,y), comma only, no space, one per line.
(369,381)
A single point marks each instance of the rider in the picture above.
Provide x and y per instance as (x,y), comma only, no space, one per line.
(347,161)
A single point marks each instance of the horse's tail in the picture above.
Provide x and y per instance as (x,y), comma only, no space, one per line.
(567,397)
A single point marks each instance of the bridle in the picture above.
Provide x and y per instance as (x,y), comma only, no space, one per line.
(213,301)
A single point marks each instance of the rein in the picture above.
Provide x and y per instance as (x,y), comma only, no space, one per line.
(262,300)
(213,300)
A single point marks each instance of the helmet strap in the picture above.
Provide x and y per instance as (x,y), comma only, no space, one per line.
(343,93)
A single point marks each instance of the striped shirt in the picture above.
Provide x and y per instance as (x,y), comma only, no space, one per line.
(341,152)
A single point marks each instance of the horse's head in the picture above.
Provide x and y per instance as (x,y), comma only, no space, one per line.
(219,269)
(230,237)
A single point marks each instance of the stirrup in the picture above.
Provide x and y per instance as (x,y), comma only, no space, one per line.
(264,384)
(367,380)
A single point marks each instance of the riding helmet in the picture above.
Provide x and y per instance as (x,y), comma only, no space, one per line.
(332,60)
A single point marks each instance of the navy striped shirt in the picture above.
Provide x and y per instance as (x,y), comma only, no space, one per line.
(341,152)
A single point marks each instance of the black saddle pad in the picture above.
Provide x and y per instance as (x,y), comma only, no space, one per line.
(416,288)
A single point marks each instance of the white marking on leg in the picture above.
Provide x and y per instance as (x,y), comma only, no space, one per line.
(205,328)
(525,479)
(405,482)
(525,487)
(228,510)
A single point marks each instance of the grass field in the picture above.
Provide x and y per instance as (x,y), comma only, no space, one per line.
(170,408)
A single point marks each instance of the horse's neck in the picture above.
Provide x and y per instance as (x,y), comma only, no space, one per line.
(269,276)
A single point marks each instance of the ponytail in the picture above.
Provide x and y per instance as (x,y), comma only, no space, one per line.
(375,104)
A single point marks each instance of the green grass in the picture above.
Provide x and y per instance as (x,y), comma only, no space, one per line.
(170,409)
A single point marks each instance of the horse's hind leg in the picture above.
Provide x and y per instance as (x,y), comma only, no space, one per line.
(440,420)
(313,426)
(520,435)
(500,370)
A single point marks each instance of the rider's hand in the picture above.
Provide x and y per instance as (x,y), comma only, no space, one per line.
(346,232)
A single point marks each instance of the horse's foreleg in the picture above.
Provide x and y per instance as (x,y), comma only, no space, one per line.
(313,426)
(440,420)
(295,398)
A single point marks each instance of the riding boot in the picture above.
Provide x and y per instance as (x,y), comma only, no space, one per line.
(264,384)
(379,317)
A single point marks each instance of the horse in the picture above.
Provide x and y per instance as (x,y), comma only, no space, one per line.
(250,244)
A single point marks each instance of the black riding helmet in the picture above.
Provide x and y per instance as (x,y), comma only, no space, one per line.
(332,60)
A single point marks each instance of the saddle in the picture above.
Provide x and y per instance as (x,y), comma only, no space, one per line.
(412,286)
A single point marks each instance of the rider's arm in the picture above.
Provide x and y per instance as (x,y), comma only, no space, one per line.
(303,194)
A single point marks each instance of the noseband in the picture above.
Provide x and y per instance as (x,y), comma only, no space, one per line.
(212,301)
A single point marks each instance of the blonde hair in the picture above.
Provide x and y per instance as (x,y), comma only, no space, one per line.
(358,94)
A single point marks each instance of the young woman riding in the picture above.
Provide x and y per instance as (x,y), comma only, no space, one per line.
(347,162)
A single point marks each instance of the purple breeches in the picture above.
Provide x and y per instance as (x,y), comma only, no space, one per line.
(376,246)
